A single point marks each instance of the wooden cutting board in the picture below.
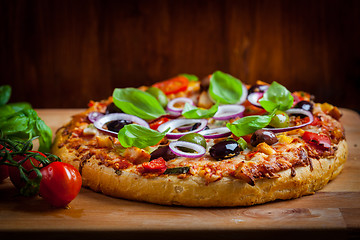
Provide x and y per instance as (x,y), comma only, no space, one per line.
(333,212)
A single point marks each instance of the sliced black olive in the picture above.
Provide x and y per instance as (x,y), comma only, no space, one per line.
(164,152)
(225,149)
(305,105)
(117,125)
(196,125)
(112,108)
(258,88)
(177,170)
(260,136)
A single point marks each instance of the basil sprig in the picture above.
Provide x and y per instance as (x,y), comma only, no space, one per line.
(134,135)
(136,102)
(224,88)
(190,77)
(18,121)
(193,112)
(277,97)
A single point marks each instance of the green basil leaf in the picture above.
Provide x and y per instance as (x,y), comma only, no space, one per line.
(5,93)
(136,102)
(26,124)
(242,143)
(139,136)
(193,112)
(249,124)
(224,88)
(277,97)
(190,77)
(11,108)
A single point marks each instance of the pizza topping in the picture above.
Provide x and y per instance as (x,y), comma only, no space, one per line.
(280,120)
(226,112)
(194,138)
(138,103)
(305,105)
(94,116)
(177,170)
(187,149)
(157,122)
(117,121)
(254,98)
(226,89)
(258,88)
(164,152)
(176,105)
(159,95)
(263,136)
(155,166)
(191,111)
(173,85)
(225,149)
(177,123)
(216,132)
(320,141)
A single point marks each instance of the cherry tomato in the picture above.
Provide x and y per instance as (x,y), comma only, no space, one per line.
(60,183)
(155,166)
(173,85)
(155,124)
(320,141)
(14,172)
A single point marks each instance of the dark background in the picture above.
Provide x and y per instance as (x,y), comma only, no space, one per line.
(59,54)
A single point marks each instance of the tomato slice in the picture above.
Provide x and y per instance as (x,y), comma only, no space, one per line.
(155,124)
(318,140)
(173,85)
(155,166)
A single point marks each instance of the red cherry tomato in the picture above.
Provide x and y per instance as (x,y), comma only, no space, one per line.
(320,141)
(14,172)
(60,183)
(155,166)
(173,85)
(155,124)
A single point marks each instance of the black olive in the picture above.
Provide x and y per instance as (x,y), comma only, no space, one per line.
(164,152)
(258,88)
(112,108)
(260,136)
(305,105)
(196,125)
(225,149)
(117,125)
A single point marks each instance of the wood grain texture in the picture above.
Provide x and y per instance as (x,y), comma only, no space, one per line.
(332,213)
(63,53)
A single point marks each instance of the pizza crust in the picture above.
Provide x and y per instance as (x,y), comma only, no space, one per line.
(194,191)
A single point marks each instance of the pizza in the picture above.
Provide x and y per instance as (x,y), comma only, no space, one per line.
(213,142)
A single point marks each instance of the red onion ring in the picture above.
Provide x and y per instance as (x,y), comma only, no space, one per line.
(99,123)
(244,94)
(254,97)
(93,116)
(294,111)
(226,112)
(216,133)
(178,123)
(176,110)
(199,150)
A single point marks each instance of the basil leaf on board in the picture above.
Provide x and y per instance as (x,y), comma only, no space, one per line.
(5,93)
(249,124)
(224,88)
(24,125)
(134,135)
(11,108)
(193,112)
(190,77)
(277,97)
(136,102)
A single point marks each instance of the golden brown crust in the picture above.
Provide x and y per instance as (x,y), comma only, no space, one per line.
(195,191)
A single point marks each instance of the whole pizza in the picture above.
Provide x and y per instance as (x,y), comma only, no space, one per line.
(205,143)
